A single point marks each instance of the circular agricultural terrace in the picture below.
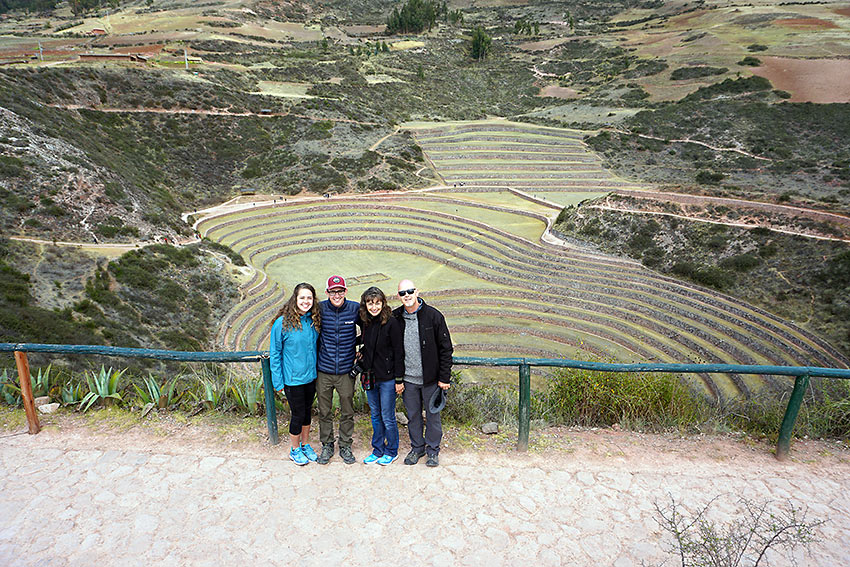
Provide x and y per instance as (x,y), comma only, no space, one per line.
(504,293)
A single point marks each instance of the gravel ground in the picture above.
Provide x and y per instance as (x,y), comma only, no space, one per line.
(186,496)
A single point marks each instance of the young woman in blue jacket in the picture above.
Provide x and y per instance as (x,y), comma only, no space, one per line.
(292,357)
(382,355)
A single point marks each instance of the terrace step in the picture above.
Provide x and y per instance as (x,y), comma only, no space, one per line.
(609,298)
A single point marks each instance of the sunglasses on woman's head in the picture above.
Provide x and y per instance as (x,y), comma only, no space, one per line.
(403,292)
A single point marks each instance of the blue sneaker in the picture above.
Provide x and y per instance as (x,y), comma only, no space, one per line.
(372,458)
(386,459)
(297,455)
(309,452)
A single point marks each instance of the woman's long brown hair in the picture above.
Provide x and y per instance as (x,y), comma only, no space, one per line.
(289,311)
(374,293)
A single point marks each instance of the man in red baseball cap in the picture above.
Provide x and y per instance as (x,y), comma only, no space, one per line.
(337,339)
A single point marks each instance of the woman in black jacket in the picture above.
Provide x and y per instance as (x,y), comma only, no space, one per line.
(382,355)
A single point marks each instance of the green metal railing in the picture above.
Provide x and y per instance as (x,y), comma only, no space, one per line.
(801,374)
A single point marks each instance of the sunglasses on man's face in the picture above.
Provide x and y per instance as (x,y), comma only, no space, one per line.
(403,292)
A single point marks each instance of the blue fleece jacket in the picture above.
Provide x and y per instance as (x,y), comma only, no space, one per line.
(292,353)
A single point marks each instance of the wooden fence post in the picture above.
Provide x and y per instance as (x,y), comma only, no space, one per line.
(26,391)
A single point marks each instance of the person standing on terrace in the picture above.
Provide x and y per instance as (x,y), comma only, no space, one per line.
(382,358)
(427,368)
(337,341)
(292,358)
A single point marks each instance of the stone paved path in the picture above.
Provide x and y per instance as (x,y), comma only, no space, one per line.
(118,500)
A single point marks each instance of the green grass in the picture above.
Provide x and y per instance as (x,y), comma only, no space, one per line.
(590,320)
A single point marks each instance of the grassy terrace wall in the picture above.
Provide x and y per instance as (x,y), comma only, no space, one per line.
(529,158)
(504,293)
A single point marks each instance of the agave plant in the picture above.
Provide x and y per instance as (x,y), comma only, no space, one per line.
(214,392)
(248,394)
(72,394)
(103,386)
(161,396)
(41,382)
(9,391)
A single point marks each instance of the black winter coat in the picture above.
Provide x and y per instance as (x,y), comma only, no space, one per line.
(435,342)
(383,350)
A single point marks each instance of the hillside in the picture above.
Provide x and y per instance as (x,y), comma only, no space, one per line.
(118,120)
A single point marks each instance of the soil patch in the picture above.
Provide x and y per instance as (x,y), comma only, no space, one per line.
(843,11)
(806,23)
(227,434)
(358,31)
(558,92)
(545,44)
(808,80)
(140,49)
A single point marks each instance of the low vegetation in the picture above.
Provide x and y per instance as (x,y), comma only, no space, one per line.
(155,297)
(650,402)
(761,530)
(637,402)
(804,146)
(799,278)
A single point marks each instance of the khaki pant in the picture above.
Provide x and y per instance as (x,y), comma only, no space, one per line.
(344,385)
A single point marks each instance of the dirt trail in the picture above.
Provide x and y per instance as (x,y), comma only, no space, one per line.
(218,112)
(185,495)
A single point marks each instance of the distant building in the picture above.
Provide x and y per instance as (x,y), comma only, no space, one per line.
(114,57)
(97,31)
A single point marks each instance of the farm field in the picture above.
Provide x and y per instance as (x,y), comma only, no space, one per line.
(504,292)
(551,163)
(813,38)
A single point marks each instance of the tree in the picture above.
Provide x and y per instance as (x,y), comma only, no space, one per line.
(79,7)
(480,43)
(28,5)
(414,16)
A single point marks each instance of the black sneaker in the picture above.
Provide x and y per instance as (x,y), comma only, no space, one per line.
(347,455)
(432,461)
(327,453)
(413,457)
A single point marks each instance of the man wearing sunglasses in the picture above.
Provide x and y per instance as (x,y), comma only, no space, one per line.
(337,338)
(428,366)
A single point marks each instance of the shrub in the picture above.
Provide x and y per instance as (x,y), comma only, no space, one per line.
(750,61)
(741,262)
(642,401)
(12,167)
(235,258)
(710,276)
(696,72)
(709,177)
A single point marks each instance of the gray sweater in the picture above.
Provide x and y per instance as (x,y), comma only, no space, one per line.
(412,350)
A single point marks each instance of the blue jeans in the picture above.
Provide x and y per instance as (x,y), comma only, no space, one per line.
(384,427)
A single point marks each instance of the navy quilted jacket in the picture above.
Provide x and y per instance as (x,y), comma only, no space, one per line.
(338,336)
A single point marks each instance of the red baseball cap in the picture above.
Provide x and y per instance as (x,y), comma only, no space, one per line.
(336,281)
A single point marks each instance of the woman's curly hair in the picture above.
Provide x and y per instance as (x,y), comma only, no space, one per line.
(289,311)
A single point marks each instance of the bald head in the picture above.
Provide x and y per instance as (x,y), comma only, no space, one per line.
(409,295)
